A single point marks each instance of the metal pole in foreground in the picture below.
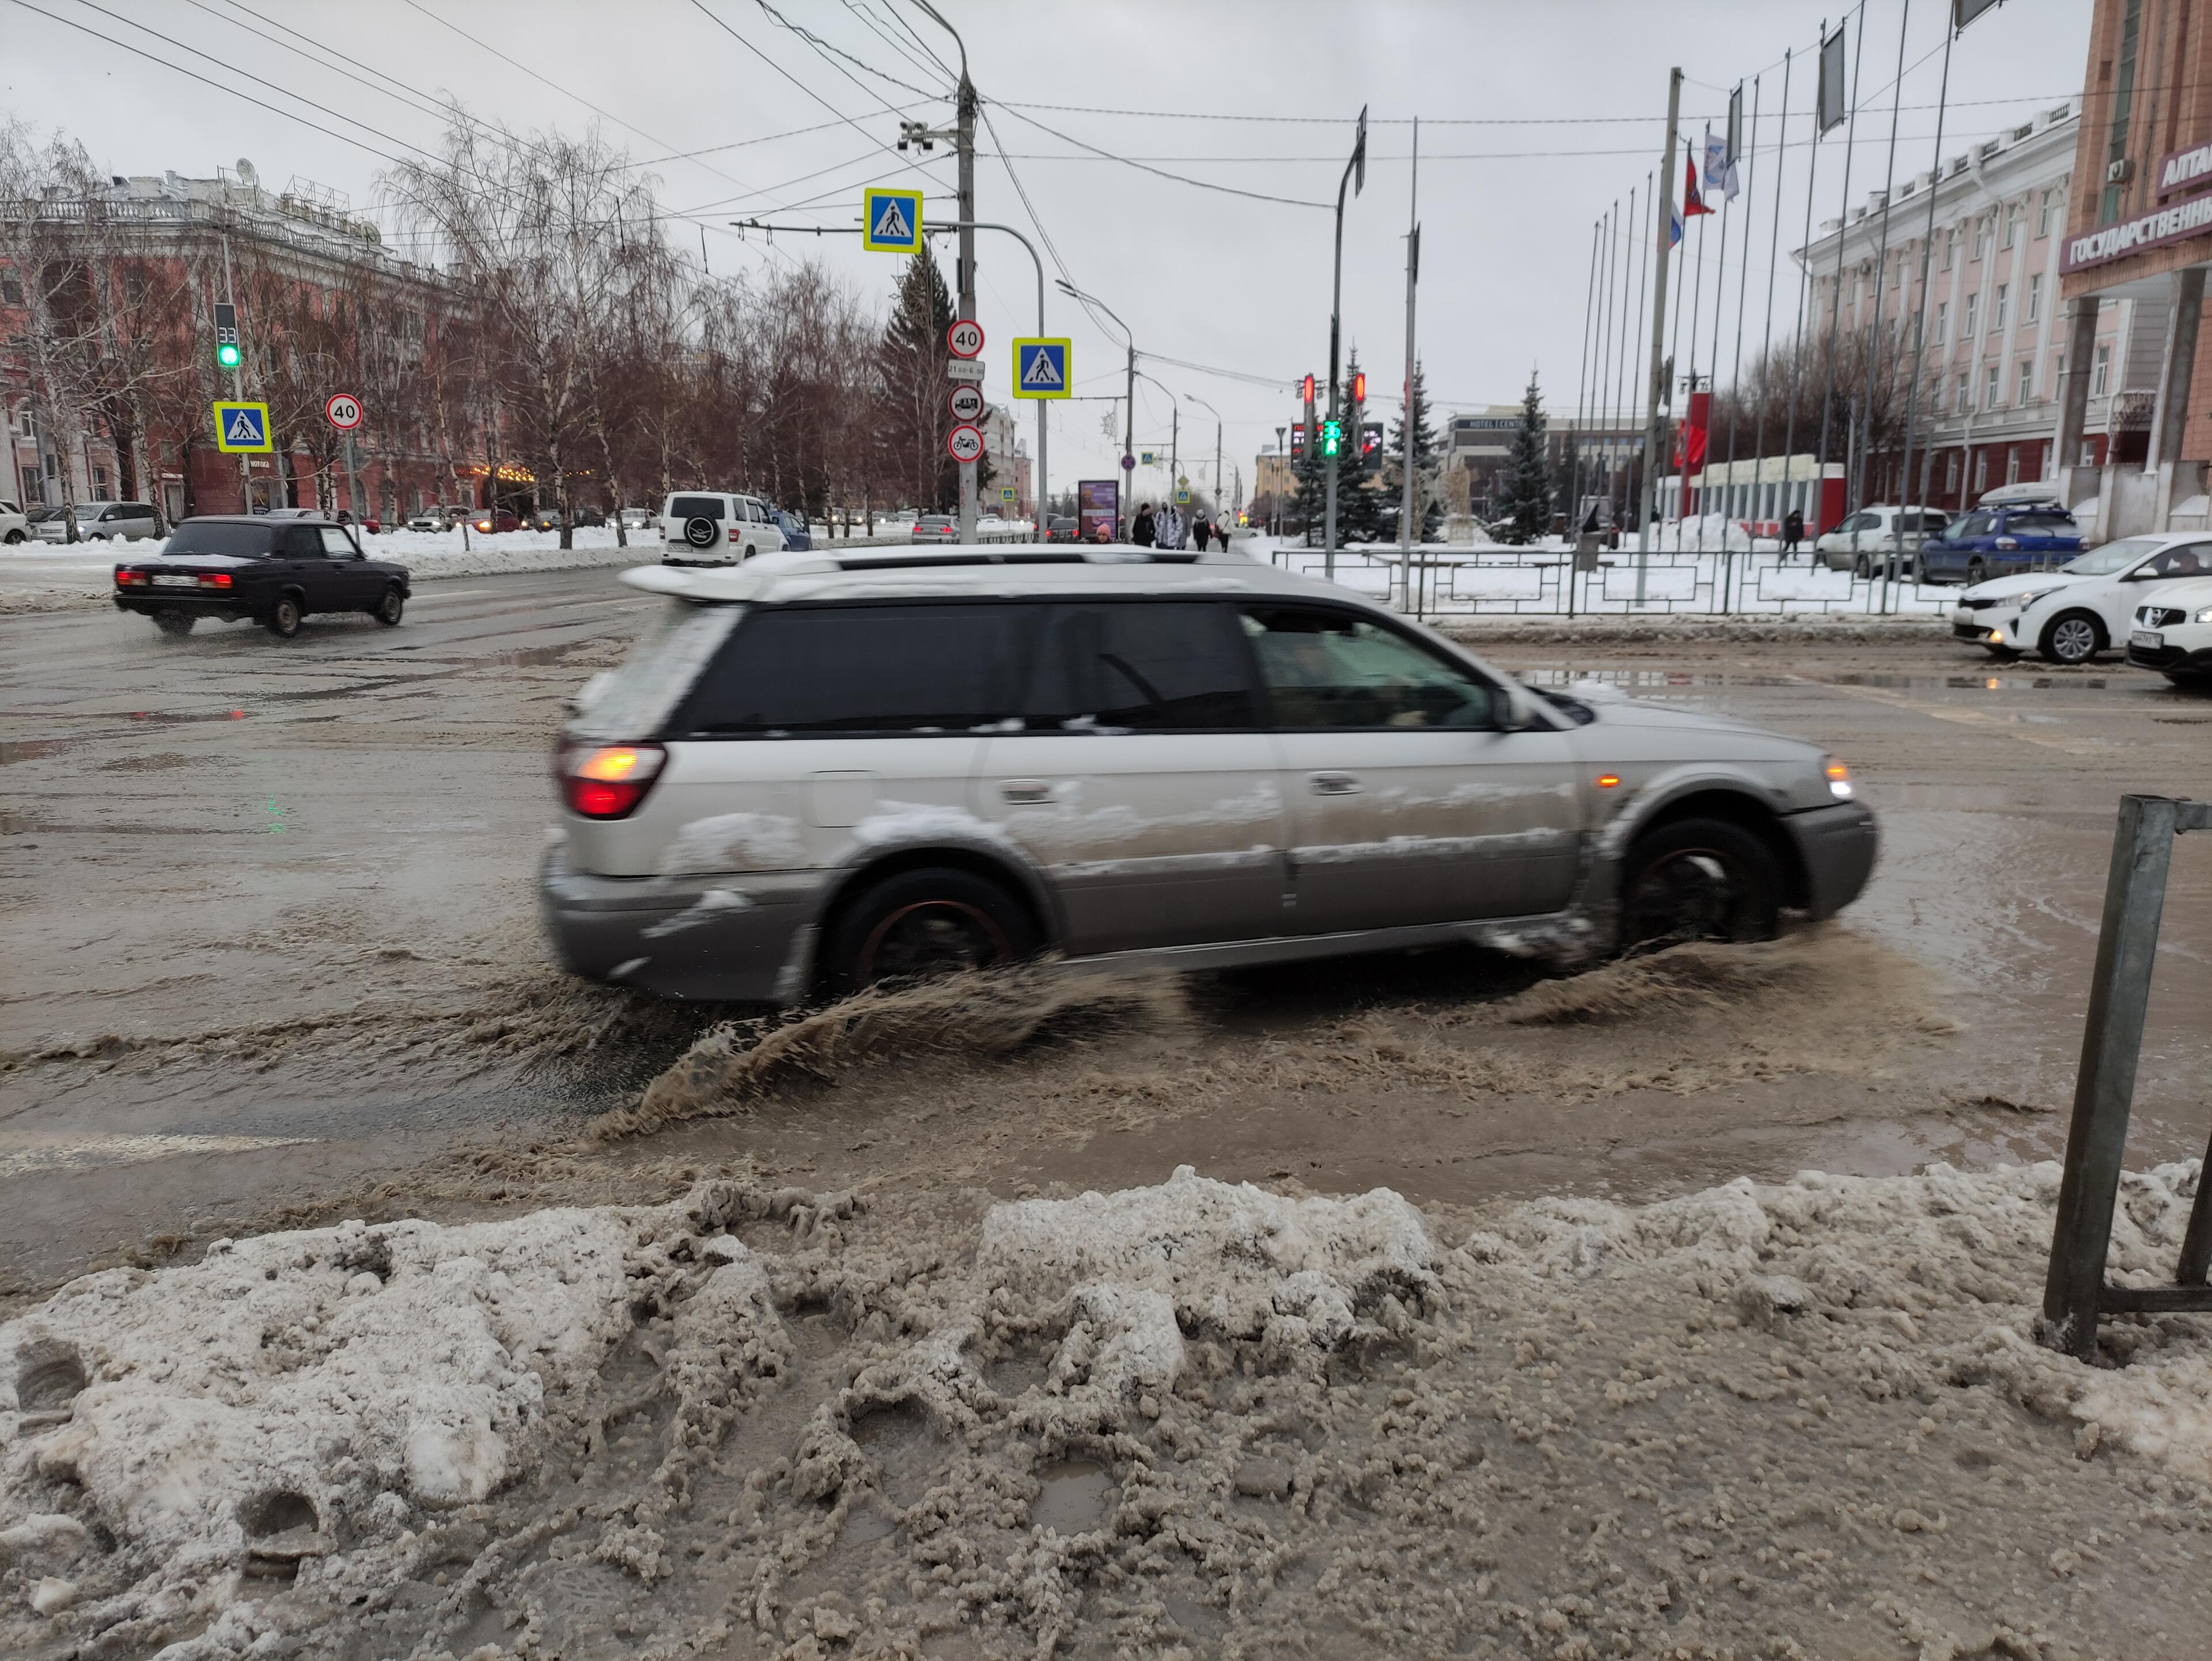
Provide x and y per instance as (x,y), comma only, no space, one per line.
(1663,213)
(965,142)
(1409,525)
(1356,166)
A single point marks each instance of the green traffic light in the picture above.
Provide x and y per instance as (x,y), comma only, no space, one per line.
(1331,438)
(227,356)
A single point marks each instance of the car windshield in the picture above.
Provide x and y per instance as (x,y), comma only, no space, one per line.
(91,510)
(2112,556)
(239,541)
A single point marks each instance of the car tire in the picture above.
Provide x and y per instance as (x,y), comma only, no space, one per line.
(15,537)
(175,625)
(284,616)
(2071,637)
(1700,879)
(1977,570)
(1862,569)
(391,607)
(917,925)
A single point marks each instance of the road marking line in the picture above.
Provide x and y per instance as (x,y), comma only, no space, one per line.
(21,1153)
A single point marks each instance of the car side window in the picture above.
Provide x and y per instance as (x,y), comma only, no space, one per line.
(2193,559)
(336,543)
(303,542)
(826,671)
(1324,668)
(1139,665)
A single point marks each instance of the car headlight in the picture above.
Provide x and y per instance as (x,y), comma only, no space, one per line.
(2029,598)
(1840,781)
(2204,616)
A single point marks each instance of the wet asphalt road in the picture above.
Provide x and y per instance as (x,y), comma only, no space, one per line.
(228,834)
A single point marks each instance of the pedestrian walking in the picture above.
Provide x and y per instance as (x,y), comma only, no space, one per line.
(1141,530)
(1793,532)
(1200,533)
(1170,531)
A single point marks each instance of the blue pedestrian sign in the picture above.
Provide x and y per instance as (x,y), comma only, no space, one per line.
(1039,368)
(890,220)
(239,428)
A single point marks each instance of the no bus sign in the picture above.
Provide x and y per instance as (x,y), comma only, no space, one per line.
(343,412)
(967,402)
(965,443)
(964,338)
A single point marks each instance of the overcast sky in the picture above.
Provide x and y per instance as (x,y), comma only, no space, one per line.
(1534,118)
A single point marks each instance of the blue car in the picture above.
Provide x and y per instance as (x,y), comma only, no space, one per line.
(1993,542)
(797,539)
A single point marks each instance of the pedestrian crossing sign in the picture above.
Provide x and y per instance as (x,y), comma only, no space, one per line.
(1005,492)
(890,220)
(239,428)
(1039,368)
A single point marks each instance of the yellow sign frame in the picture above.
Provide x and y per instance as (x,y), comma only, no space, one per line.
(223,430)
(1066,364)
(872,205)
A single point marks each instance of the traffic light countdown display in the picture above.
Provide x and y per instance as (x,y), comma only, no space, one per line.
(226,336)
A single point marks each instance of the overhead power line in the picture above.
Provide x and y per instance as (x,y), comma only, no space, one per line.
(1141,167)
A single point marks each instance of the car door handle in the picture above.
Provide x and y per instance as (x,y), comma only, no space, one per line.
(1334,784)
(1025,790)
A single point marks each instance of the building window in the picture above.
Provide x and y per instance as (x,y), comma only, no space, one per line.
(1981,471)
(1897,276)
(2124,94)
(100,484)
(2026,388)
(1997,309)
(1981,237)
(1973,306)
(2034,299)
(1936,398)
(1951,470)
(1950,247)
(11,288)
(2012,226)
(2101,372)
(1942,319)
(1996,388)
(2043,216)
(2012,465)
(1966,395)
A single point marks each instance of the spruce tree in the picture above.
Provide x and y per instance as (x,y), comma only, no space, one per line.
(1525,501)
(914,387)
(1425,445)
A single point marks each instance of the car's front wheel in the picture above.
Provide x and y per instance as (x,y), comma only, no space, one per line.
(174,624)
(1977,570)
(391,607)
(918,925)
(284,616)
(1697,880)
(2071,637)
(15,537)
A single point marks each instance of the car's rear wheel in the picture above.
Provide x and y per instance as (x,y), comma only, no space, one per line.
(1977,570)
(1700,879)
(1862,568)
(178,623)
(391,607)
(2071,637)
(15,537)
(918,925)
(284,616)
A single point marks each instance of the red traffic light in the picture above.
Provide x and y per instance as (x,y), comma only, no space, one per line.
(1360,388)
(1308,389)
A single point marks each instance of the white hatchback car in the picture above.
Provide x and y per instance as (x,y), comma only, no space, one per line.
(2086,606)
(14,528)
(2171,633)
(828,769)
(711,528)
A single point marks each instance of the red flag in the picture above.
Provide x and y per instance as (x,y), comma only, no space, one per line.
(1692,203)
(1694,428)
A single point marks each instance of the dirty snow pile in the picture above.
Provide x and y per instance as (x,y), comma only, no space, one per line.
(1196,1418)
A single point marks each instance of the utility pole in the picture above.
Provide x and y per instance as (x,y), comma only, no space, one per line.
(1407,525)
(245,464)
(1355,168)
(1653,460)
(965,142)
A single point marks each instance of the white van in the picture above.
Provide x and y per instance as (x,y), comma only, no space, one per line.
(706,528)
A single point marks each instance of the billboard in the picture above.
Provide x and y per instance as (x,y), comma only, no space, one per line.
(1098,509)
(1834,97)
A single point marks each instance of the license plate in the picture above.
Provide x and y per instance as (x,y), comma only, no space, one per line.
(2146,637)
(162,579)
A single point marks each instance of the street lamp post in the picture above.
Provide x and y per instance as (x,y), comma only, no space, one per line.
(1355,174)
(1129,395)
(1216,414)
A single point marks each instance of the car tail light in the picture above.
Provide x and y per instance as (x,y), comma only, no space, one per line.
(128,579)
(607,780)
(215,580)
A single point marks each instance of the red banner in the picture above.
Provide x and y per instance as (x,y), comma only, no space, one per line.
(1692,443)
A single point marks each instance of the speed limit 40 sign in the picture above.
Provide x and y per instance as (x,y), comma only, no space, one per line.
(965,443)
(964,338)
(967,402)
(343,412)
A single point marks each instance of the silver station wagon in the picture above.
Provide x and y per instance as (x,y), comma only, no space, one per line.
(825,771)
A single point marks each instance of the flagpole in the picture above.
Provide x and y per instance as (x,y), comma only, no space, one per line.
(1673,359)
(1631,487)
(1804,291)
(1920,322)
(1599,407)
(1736,372)
(1666,210)
(1619,402)
(1719,277)
(1881,278)
(1582,384)
(1836,288)
(1766,333)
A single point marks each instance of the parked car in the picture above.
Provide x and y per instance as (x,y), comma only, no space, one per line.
(710,528)
(1992,541)
(15,527)
(275,571)
(495,524)
(2172,632)
(2072,614)
(798,535)
(102,521)
(430,519)
(935,527)
(1863,542)
(827,770)
(636,519)
(1060,529)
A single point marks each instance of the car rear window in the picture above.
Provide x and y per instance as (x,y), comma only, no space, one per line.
(862,669)
(696,507)
(1164,666)
(239,541)
(659,670)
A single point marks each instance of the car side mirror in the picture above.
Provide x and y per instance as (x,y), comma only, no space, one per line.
(1510,710)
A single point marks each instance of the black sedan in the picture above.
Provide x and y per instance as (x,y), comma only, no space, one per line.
(274,571)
